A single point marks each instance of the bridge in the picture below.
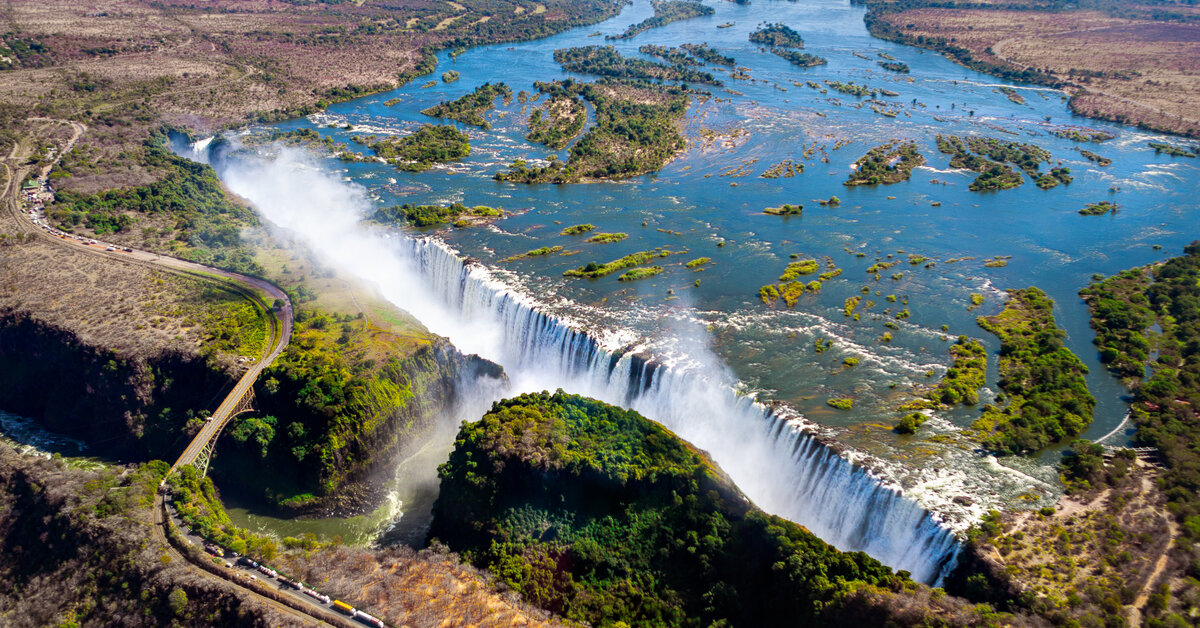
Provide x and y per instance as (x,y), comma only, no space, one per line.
(240,400)
(257,291)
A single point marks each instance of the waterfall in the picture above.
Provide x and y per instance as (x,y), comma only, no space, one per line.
(783,468)
(769,453)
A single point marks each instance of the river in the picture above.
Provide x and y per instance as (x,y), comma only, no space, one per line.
(719,327)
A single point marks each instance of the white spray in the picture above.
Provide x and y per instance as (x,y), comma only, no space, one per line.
(780,467)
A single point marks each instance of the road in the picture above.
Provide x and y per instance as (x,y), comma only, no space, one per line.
(252,288)
(260,291)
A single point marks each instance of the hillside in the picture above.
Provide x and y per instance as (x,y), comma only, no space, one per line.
(603,516)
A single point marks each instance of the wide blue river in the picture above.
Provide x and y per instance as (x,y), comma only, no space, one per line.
(693,205)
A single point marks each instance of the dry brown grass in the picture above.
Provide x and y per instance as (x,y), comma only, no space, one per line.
(1130,70)
(1093,546)
(407,588)
(125,66)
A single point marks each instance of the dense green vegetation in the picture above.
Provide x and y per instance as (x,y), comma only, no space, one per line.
(698,262)
(1097,159)
(433,215)
(1166,403)
(1082,135)
(894,66)
(593,270)
(785,210)
(1121,316)
(538,252)
(665,12)
(195,499)
(605,238)
(1048,399)
(802,59)
(1173,150)
(851,89)
(560,120)
(637,130)
(674,56)
(449,76)
(987,156)
(1053,178)
(791,285)
(961,384)
(889,163)
(606,61)
(420,150)
(1099,209)
(469,108)
(604,517)
(578,229)
(840,403)
(777,36)
(640,273)
(203,224)
(708,54)
(997,177)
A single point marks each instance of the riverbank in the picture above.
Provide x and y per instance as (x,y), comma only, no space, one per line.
(1130,64)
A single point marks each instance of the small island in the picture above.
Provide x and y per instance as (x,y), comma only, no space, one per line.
(1099,209)
(470,108)
(594,270)
(417,152)
(777,36)
(885,164)
(797,58)
(435,215)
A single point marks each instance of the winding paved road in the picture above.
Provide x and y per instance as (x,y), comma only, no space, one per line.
(255,289)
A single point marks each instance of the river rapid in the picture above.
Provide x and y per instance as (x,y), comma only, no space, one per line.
(709,359)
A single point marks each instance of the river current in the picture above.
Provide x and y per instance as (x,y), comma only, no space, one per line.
(693,205)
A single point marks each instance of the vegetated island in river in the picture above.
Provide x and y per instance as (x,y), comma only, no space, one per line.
(708,54)
(892,162)
(1047,396)
(469,109)
(986,155)
(419,151)
(665,12)
(605,517)
(777,36)
(960,385)
(797,58)
(606,61)
(434,215)
(1124,308)
(637,130)
(594,270)
(560,120)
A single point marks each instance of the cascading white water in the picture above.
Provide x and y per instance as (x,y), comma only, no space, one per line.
(783,468)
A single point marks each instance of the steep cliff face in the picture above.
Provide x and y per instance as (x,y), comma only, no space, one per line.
(75,551)
(602,516)
(321,434)
(322,452)
(134,408)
